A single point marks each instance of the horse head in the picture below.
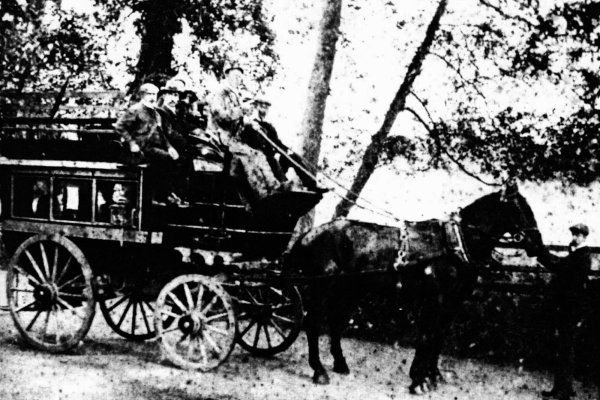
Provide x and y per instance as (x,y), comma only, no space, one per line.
(503,216)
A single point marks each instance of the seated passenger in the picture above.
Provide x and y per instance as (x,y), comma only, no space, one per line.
(40,201)
(249,166)
(142,128)
(261,135)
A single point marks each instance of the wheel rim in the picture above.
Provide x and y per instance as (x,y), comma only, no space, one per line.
(195,322)
(49,289)
(269,317)
(130,315)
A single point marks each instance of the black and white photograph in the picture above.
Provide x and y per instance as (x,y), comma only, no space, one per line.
(299,199)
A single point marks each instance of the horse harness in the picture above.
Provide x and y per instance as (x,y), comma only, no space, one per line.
(451,242)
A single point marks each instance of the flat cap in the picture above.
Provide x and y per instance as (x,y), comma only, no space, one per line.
(580,228)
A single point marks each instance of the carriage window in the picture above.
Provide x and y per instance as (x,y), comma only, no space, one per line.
(72,200)
(31,197)
(115,201)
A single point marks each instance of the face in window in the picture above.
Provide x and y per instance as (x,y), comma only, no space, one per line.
(119,195)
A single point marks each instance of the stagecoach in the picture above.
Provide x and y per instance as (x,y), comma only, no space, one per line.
(78,228)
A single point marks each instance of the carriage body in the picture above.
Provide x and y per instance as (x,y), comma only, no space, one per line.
(80,227)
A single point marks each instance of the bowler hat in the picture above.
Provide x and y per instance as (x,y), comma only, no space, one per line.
(580,228)
(172,86)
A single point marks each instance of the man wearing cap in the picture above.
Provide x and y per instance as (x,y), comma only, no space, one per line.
(262,135)
(568,293)
(141,127)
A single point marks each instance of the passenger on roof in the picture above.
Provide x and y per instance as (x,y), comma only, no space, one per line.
(261,135)
(141,127)
(226,122)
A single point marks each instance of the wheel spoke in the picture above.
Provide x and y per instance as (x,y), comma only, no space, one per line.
(45,260)
(277,329)
(170,313)
(247,328)
(284,319)
(177,302)
(252,297)
(33,321)
(54,264)
(212,342)
(216,316)
(149,306)
(188,297)
(257,335)
(266,329)
(46,324)
(22,290)
(176,328)
(64,270)
(71,295)
(280,306)
(73,310)
(217,330)
(190,350)
(203,353)
(145,317)
(200,294)
(27,275)
(133,317)
(70,281)
(22,308)
(117,303)
(210,305)
(35,266)
(124,314)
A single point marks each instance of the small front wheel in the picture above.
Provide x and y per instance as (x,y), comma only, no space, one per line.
(195,322)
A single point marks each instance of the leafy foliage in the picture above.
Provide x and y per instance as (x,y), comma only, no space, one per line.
(42,47)
(516,45)
(222,31)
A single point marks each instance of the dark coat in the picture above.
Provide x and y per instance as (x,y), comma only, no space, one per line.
(143,125)
(569,282)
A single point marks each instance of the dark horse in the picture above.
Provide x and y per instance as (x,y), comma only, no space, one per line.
(434,261)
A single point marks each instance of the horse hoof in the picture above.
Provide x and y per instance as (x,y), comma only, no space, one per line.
(321,378)
(341,368)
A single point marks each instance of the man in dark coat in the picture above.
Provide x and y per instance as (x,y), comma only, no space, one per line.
(262,135)
(141,127)
(569,285)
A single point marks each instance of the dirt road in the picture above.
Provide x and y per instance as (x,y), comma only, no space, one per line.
(107,367)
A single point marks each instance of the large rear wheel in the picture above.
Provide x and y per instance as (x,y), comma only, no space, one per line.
(50,295)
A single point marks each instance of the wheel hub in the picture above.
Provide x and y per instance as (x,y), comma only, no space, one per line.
(46,294)
(190,324)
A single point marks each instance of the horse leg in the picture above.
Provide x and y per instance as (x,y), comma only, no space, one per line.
(337,319)
(312,334)
(428,326)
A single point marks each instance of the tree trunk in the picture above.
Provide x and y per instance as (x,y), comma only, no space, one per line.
(159,22)
(318,90)
(371,156)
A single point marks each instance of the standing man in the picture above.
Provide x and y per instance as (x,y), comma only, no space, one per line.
(141,127)
(569,284)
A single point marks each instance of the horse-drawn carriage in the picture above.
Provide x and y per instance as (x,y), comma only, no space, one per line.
(81,229)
